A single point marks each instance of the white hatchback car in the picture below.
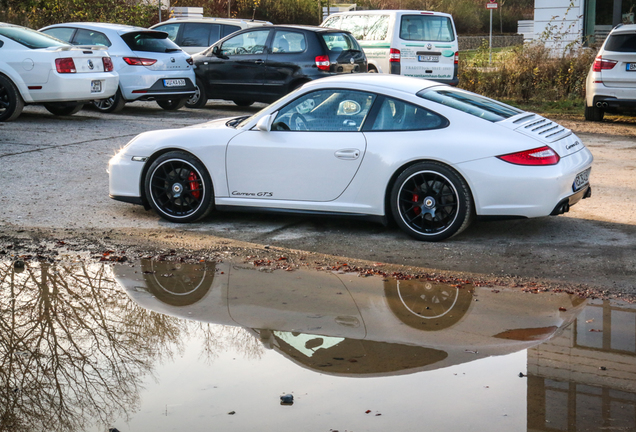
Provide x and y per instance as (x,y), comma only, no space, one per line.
(428,155)
(36,68)
(150,66)
(194,35)
(611,82)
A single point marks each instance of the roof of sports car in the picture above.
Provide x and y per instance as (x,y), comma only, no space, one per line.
(387,81)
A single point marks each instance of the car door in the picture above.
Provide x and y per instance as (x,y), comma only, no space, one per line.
(236,69)
(287,52)
(312,153)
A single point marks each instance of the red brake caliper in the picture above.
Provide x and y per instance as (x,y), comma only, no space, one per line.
(192,178)
(417,210)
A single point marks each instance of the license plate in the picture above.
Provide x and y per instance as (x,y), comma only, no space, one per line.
(174,83)
(428,58)
(631,66)
(96,86)
(581,179)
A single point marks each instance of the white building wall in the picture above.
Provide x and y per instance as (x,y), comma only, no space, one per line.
(563,20)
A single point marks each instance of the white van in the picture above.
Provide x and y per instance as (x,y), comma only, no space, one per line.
(405,42)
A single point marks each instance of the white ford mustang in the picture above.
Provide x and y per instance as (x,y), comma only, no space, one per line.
(431,156)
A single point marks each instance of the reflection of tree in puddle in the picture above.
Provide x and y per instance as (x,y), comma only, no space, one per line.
(73,348)
(427,305)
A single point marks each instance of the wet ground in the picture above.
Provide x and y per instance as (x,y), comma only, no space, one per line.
(169,342)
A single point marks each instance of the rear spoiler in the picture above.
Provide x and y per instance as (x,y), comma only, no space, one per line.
(79,47)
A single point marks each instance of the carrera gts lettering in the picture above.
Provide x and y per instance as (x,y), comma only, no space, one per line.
(253,194)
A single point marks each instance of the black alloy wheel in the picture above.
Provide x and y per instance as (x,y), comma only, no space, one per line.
(179,188)
(113,104)
(63,109)
(172,104)
(431,202)
(11,103)
(200,98)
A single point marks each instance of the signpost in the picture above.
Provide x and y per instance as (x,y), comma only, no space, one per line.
(492,4)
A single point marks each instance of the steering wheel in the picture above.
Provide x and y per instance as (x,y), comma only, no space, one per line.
(298,122)
(280,126)
(240,50)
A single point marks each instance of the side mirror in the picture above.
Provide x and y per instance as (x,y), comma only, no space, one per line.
(265,123)
(216,50)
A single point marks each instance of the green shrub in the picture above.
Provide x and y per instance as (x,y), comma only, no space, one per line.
(527,72)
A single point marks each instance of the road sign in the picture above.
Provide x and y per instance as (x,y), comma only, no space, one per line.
(492,5)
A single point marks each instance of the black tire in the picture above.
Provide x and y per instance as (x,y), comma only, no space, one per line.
(179,188)
(431,202)
(63,109)
(200,98)
(172,104)
(243,103)
(372,70)
(113,104)
(593,113)
(11,103)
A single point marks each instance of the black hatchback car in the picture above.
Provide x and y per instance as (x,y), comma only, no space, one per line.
(262,64)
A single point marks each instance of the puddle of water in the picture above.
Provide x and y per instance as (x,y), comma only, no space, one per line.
(173,346)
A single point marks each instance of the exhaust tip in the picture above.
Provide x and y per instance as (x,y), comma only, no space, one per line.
(604,104)
(599,104)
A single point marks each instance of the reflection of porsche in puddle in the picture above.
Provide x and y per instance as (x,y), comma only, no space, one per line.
(348,325)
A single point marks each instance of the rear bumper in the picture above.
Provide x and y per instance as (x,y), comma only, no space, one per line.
(611,102)
(564,205)
(158,91)
(74,87)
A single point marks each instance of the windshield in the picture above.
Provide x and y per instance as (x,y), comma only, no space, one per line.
(150,41)
(427,28)
(30,38)
(470,103)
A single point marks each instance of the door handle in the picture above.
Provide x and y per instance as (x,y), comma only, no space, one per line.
(259,61)
(348,154)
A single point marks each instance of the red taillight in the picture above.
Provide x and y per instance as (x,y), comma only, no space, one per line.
(456,57)
(137,61)
(394,55)
(323,62)
(108,64)
(600,64)
(190,61)
(65,65)
(538,156)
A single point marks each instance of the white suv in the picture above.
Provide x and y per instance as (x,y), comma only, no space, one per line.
(611,82)
(193,35)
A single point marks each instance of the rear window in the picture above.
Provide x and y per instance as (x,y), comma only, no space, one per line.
(427,28)
(149,42)
(470,103)
(621,43)
(337,41)
(30,38)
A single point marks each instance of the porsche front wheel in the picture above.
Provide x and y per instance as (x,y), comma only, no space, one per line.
(179,188)
(431,202)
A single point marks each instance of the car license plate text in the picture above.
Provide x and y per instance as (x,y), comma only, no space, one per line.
(581,179)
(428,58)
(96,86)
(174,82)
(631,66)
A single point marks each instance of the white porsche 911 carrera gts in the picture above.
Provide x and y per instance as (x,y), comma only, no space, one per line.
(431,156)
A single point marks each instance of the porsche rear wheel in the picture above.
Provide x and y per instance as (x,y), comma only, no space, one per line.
(11,103)
(431,202)
(179,188)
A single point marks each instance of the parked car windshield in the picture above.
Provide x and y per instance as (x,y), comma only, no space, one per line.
(621,43)
(470,103)
(151,41)
(426,28)
(30,38)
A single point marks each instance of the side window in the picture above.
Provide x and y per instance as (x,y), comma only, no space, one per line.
(396,115)
(326,111)
(62,33)
(195,35)
(171,29)
(332,22)
(252,42)
(90,37)
(356,24)
(288,42)
(228,30)
(378,27)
